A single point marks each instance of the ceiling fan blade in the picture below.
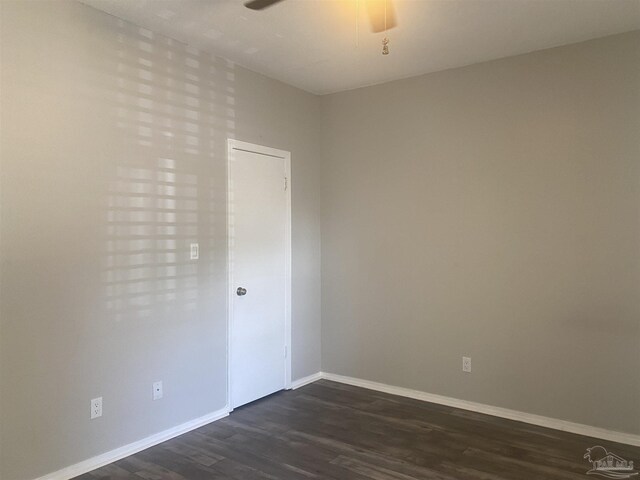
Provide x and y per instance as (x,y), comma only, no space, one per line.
(260,4)
(376,11)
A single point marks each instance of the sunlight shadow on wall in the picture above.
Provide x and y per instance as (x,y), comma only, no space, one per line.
(173,111)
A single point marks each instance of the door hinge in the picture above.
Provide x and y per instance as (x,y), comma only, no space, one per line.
(286,181)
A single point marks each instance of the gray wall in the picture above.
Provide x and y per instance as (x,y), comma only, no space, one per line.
(491,211)
(113,160)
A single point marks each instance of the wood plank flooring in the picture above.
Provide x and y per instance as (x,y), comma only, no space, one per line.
(327,430)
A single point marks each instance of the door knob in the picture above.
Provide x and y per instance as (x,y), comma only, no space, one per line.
(241,291)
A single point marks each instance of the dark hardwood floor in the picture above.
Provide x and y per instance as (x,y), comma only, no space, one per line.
(328,430)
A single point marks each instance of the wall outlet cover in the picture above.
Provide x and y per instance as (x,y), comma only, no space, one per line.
(466,364)
(96,408)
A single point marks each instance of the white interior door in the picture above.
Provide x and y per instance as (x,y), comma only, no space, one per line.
(258,263)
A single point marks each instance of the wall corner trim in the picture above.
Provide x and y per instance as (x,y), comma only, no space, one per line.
(539,420)
(98,461)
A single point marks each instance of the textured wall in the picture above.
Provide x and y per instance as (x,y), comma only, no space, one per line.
(113,160)
(491,211)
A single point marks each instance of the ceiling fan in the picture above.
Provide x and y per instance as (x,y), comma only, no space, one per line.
(381,12)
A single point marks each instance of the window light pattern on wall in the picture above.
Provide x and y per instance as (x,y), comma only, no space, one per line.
(174,109)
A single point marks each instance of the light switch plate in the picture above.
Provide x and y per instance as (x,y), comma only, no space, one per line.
(195,251)
(157,390)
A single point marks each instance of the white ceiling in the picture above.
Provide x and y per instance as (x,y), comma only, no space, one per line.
(312,44)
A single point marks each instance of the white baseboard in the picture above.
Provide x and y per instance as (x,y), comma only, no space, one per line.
(565,426)
(135,447)
(306,380)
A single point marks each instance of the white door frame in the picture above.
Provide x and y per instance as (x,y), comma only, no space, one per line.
(233,145)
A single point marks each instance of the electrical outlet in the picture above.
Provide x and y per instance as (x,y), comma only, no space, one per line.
(466,364)
(157,390)
(195,251)
(96,408)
